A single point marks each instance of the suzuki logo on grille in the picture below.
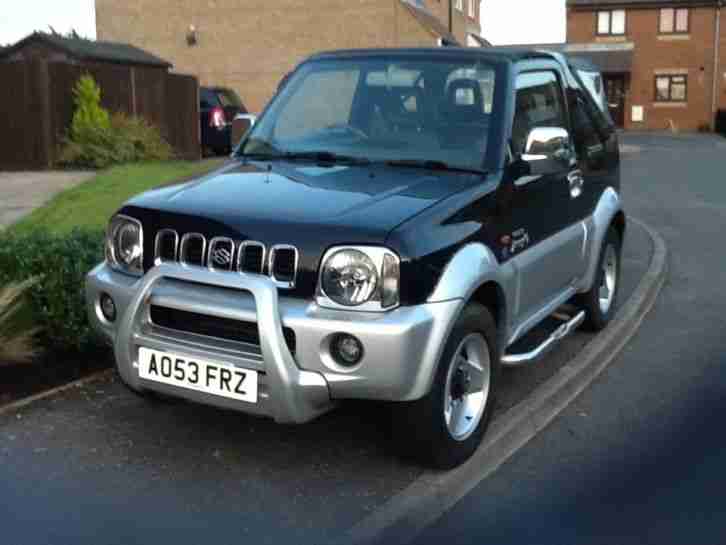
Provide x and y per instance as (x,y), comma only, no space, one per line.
(222,257)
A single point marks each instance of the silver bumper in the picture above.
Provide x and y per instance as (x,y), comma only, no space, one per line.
(402,347)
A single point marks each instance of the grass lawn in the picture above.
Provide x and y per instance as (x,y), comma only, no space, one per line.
(92,203)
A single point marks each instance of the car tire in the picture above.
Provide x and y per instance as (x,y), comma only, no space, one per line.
(599,303)
(445,427)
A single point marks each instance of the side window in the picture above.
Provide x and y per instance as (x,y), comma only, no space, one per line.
(539,103)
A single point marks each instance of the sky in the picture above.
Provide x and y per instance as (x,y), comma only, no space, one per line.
(503,21)
(523,21)
(18,18)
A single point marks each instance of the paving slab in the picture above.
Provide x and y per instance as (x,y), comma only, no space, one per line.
(97,461)
(22,192)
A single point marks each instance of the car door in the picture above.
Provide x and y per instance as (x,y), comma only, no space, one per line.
(546,243)
(591,147)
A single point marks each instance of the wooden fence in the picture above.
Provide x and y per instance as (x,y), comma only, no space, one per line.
(36,106)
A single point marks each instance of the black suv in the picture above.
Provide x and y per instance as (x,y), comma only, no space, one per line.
(392,229)
(217,108)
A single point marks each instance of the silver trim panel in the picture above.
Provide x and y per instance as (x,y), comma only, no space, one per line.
(605,211)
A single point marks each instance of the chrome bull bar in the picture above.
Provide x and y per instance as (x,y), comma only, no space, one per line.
(294,395)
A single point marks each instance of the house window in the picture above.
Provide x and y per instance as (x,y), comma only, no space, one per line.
(671,88)
(611,23)
(472,9)
(673,21)
(460,5)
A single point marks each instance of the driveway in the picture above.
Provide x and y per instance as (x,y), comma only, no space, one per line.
(22,192)
(97,465)
(639,457)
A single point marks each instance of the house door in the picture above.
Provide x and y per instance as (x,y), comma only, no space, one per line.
(615,91)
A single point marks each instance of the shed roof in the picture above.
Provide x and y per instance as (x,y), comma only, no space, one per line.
(84,49)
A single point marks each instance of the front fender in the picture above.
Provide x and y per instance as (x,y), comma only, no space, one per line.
(469,269)
(471,266)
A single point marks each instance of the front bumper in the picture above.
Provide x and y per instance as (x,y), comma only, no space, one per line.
(402,347)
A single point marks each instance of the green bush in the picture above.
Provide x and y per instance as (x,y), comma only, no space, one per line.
(139,140)
(56,301)
(89,115)
(127,140)
(97,141)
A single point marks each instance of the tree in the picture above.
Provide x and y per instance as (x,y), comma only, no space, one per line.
(89,116)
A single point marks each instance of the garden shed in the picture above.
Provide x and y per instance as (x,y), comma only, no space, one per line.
(38,74)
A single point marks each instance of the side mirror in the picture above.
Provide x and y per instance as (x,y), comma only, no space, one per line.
(240,125)
(547,145)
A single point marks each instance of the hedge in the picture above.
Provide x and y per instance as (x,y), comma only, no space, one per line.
(57,301)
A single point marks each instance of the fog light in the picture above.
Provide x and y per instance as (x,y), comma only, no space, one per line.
(108,307)
(346,350)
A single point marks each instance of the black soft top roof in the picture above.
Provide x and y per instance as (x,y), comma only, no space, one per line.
(500,55)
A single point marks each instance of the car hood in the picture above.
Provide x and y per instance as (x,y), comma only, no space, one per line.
(247,197)
(309,206)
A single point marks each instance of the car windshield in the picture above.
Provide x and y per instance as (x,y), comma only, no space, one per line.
(407,110)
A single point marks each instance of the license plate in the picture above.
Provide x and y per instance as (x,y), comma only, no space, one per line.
(219,379)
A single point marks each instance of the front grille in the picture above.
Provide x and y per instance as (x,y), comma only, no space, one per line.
(213,326)
(193,246)
(283,262)
(224,254)
(221,254)
(167,245)
(251,257)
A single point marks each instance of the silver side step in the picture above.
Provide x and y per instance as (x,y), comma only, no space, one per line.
(517,360)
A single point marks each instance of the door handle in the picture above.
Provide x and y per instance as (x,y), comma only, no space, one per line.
(576,182)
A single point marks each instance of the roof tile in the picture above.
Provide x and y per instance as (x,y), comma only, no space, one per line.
(82,48)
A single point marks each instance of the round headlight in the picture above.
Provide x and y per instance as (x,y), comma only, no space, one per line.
(128,246)
(349,277)
(124,245)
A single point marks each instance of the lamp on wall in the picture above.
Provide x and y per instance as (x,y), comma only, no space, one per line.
(192,35)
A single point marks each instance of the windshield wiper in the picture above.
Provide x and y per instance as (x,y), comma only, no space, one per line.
(432,164)
(317,156)
(325,157)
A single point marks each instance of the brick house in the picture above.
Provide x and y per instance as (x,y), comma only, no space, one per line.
(664,61)
(249,45)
